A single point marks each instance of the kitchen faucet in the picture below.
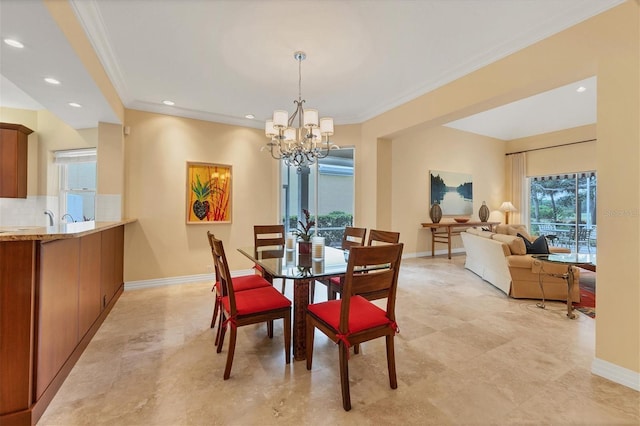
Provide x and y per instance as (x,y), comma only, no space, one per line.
(50,214)
(67,214)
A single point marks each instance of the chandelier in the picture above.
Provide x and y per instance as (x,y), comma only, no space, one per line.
(302,145)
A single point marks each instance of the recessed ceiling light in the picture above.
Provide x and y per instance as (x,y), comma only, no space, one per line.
(170,103)
(75,104)
(250,116)
(13,43)
(581,89)
(52,81)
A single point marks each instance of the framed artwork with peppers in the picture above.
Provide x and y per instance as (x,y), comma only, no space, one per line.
(208,193)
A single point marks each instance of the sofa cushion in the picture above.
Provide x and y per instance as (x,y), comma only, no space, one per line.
(480,232)
(516,245)
(520,261)
(514,230)
(538,246)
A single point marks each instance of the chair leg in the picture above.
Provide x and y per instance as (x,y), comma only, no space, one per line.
(312,290)
(221,332)
(220,320)
(216,304)
(287,337)
(283,284)
(232,349)
(309,341)
(270,329)
(356,348)
(391,362)
(344,376)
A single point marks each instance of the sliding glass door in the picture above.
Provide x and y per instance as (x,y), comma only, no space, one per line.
(333,203)
(563,208)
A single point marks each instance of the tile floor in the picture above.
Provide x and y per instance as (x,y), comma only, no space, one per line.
(466,355)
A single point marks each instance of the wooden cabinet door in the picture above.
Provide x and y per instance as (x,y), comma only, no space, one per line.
(13,160)
(89,303)
(57,327)
(17,295)
(112,266)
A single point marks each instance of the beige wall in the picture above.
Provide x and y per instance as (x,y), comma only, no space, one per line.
(157,150)
(551,153)
(441,148)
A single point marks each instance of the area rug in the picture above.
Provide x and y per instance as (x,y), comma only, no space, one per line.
(587,303)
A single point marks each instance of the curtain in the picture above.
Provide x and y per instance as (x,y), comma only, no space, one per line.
(516,186)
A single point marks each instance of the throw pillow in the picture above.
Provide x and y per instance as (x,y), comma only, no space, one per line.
(539,246)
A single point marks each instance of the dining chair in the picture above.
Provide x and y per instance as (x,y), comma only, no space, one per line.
(351,237)
(264,304)
(354,319)
(246,282)
(269,236)
(377,236)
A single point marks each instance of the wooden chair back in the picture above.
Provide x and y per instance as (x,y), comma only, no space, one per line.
(353,237)
(222,273)
(378,283)
(377,237)
(268,235)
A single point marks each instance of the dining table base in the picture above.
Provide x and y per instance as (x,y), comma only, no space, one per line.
(300,302)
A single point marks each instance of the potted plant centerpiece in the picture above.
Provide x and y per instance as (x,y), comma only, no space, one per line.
(304,233)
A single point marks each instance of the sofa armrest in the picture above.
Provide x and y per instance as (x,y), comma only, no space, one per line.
(559,250)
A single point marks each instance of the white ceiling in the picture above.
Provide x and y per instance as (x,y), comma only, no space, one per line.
(220,60)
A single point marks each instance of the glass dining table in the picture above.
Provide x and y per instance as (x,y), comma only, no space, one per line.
(302,269)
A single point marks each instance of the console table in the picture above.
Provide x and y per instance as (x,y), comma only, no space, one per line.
(442,232)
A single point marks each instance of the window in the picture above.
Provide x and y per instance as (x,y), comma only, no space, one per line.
(77,184)
(563,207)
(335,196)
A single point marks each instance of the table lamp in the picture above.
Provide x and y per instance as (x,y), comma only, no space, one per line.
(507,207)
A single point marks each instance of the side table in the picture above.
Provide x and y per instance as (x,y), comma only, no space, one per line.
(587,261)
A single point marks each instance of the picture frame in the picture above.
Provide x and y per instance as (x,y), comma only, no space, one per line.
(453,191)
(209,193)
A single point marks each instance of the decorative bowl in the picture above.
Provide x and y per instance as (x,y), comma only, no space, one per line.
(461,219)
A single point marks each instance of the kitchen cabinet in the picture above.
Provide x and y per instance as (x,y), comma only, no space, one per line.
(13,160)
(55,292)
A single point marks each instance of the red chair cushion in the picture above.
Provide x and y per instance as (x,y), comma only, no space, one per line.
(336,281)
(245,282)
(257,300)
(363,314)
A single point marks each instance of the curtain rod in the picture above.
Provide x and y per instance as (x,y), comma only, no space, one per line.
(553,146)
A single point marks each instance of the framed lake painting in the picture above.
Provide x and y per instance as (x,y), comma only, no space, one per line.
(453,191)
(208,193)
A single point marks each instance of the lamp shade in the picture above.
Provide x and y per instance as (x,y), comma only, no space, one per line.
(507,207)
(269,130)
(310,118)
(280,118)
(326,126)
(289,134)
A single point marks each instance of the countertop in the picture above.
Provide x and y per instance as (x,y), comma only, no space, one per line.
(56,232)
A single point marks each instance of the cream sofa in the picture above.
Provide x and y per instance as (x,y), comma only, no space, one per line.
(500,258)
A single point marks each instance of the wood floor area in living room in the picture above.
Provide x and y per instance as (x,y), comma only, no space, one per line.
(466,354)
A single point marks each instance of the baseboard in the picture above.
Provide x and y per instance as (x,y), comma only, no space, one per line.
(615,373)
(443,252)
(185,279)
